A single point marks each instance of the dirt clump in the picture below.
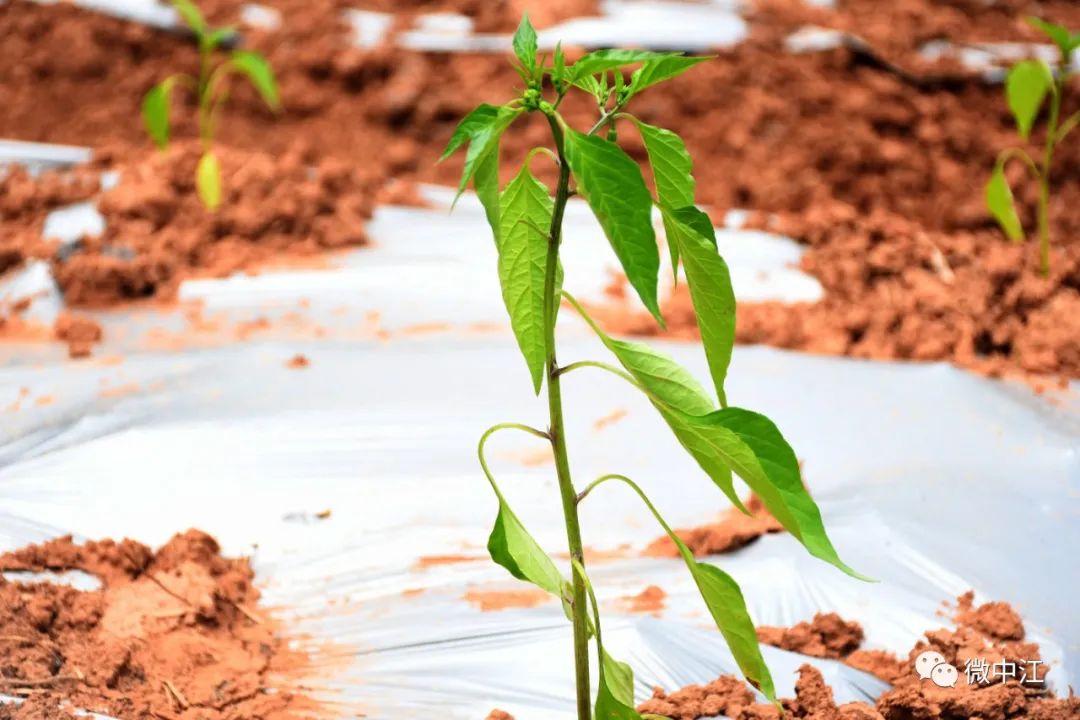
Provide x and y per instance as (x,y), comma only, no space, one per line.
(734,530)
(650,600)
(157,232)
(991,632)
(79,332)
(826,636)
(298,362)
(173,633)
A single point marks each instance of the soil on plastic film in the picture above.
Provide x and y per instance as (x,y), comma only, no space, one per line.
(878,170)
(992,632)
(175,633)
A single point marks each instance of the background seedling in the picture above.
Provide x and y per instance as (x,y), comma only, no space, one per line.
(1026,87)
(211,91)
(526,222)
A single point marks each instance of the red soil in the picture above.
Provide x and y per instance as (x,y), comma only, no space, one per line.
(170,634)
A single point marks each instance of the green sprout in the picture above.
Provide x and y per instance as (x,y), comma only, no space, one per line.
(526,221)
(1026,88)
(211,91)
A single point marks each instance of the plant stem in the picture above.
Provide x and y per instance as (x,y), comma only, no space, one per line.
(1044,176)
(204,97)
(579,609)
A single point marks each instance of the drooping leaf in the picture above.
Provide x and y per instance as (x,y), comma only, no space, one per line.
(753,447)
(609,707)
(525,44)
(599,61)
(619,678)
(486,182)
(525,213)
(155,112)
(691,231)
(255,67)
(481,116)
(671,386)
(208,180)
(1026,87)
(999,200)
(189,13)
(511,546)
(612,184)
(659,69)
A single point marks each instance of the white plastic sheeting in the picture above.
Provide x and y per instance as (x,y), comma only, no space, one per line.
(930,479)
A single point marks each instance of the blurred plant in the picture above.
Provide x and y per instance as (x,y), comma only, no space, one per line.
(1026,87)
(211,91)
(526,222)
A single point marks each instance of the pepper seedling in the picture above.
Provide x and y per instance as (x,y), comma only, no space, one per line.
(1026,87)
(211,91)
(526,221)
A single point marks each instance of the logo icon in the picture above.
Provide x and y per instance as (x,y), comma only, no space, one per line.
(931,665)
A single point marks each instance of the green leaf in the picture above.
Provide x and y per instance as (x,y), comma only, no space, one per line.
(671,386)
(671,165)
(663,68)
(600,61)
(691,231)
(511,546)
(255,67)
(1025,89)
(612,184)
(208,180)
(155,112)
(589,84)
(1066,41)
(486,182)
(525,44)
(485,141)
(480,117)
(753,447)
(191,16)
(619,678)
(999,200)
(728,609)
(558,71)
(609,707)
(525,209)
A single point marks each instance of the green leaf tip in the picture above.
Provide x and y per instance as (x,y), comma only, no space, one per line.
(999,201)
(525,45)
(511,546)
(256,68)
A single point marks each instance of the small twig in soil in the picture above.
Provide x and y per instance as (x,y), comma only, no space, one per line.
(177,696)
(20,683)
(247,613)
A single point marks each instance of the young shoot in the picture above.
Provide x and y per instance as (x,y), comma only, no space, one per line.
(1026,88)
(526,219)
(211,90)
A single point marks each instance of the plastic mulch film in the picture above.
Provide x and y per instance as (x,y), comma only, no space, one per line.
(932,480)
